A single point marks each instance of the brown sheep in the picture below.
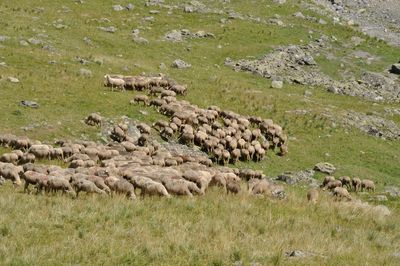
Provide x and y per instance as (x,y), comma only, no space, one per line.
(312,196)
(332,185)
(327,179)
(55,184)
(152,188)
(367,185)
(232,187)
(341,193)
(121,186)
(346,181)
(94,119)
(356,183)
(86,186)
(177,186)
(32,178)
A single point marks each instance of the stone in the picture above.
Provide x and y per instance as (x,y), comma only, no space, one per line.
(379,198)
(118,8)
(291,178)
(308,93)
(382,210)
(173,36)
(23,43)
(280,2)
(325,167)
(3,64)
(188,9)
(180,64)
(295,253)
(392,191)
(13,80)
(299,15)
(110,29)
(4,38)
(395,69)
(322,22)
(34,41)
(31,104)
(85,73)
(130,7)
(162,66)
(277,84)
(140,40)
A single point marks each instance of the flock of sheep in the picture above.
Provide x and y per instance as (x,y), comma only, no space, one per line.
(226,136)
(340,188)
(121,167)
(128,166)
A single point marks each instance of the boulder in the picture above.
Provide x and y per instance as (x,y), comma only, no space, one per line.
(395,69)
(325,167)
(180,64)
(277,84)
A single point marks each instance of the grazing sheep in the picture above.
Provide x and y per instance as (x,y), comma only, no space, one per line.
(232,187)
(346,181)
(121,186)
(140,98)
(327,179)
(257,187)
(152,188)
(9,158)
(177,186)
(11,172)
(341,193)
(94,119)
(86,186)
(114,82)
(40,151)
(27,158)
(356,183)
(312,196)
(55,184)
(332,185)
(32,178)
(367,185)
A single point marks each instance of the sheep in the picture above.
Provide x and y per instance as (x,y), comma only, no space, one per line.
(27,158)
(367,184)
(333,184)
(346,181)
(11,172)
(160,124)
(257,186)
(144,128)
(232,187)
(327,179)
(140,98)
(9,158)
(94,119)
(225,156)
(341,193)
(179,89)
(218,180)
(114,82)
(55,184)
(57,153)
(40,151)
(312,196)
(86,186)
(32,178)
(121,186)
(177,186)
(235,154)
(356,183)
(152,188)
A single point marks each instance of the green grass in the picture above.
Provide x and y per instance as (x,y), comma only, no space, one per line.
(214,229)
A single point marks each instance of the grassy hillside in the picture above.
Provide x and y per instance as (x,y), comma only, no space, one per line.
(214,229)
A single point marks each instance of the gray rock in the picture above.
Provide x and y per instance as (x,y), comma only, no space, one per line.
(322,22)
(379,198)
(280,2)
(34,41)
(31,104)
(3,64)
(395,69)
(180,64)
(4,38)
(173,36)
(23,43)
(130,6)
(305,177)
(188,9)
(277,84)
(296,253)
(13,80)
(396,254)
(162,66)
(85,73)
(299,15)
(118,8)
(308,93)
(153,12)
(325,167)
(140,40)
(392,191)
(110,29)
(88,41)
